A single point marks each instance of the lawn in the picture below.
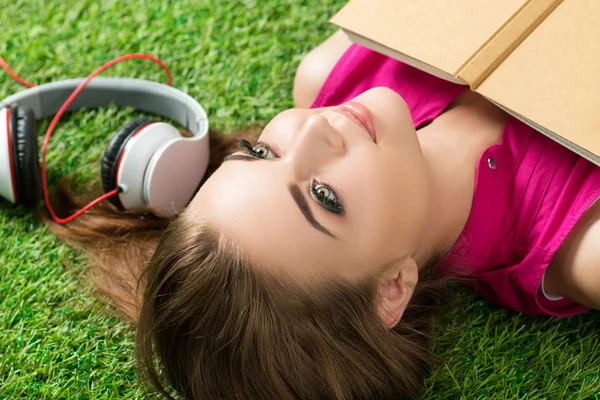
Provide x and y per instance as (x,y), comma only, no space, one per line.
(237,58)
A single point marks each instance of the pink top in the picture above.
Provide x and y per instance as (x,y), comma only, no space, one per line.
(529,190)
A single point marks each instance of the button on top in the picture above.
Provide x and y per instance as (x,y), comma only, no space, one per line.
(492,162)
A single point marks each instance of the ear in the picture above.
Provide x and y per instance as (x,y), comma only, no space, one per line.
(396,290)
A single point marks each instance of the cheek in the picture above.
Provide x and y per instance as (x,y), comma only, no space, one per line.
(387,202)
(370,193)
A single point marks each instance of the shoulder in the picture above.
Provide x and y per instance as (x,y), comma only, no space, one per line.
(574,272)
(316,66)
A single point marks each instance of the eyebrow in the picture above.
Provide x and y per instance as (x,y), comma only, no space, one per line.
(294,191)
(303,206)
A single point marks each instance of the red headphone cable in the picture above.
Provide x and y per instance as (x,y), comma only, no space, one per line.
(59,114)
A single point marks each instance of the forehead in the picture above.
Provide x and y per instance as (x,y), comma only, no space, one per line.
(250,203)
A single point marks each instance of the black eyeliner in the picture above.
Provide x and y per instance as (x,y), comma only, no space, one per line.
(241,157)
(335,208)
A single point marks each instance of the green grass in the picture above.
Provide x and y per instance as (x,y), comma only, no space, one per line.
(238,59)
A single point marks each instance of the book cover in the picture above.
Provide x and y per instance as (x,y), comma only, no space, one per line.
(536,59)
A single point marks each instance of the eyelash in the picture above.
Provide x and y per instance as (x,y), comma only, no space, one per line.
(332,205)
(329,204)
(245,145)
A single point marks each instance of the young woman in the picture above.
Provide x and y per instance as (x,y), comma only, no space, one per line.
(306,267)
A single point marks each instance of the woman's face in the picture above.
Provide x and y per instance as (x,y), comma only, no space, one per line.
(317,196)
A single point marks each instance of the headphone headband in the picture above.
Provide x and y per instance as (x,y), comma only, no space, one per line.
(155,98)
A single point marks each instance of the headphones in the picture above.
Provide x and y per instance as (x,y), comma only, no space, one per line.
(149,163)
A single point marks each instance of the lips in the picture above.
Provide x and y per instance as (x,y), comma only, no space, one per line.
(360,114)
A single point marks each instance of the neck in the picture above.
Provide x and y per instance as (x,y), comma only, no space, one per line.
(451,197)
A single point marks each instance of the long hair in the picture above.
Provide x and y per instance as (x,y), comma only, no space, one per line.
(119,244)
(210,325)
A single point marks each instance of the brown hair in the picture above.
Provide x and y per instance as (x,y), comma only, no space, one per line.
(212,326)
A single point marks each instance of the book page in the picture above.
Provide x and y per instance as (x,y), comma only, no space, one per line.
(442,33)
(553,78)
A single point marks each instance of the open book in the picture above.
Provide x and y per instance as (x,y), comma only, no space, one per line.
(537,59)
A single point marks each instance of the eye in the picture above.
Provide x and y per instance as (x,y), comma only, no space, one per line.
(326,197)
(260,150)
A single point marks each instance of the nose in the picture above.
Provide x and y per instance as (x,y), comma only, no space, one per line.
(315,146)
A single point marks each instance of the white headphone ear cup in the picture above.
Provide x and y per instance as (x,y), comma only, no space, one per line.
(174,174)
(113,153)
(134,161)
(7,184)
